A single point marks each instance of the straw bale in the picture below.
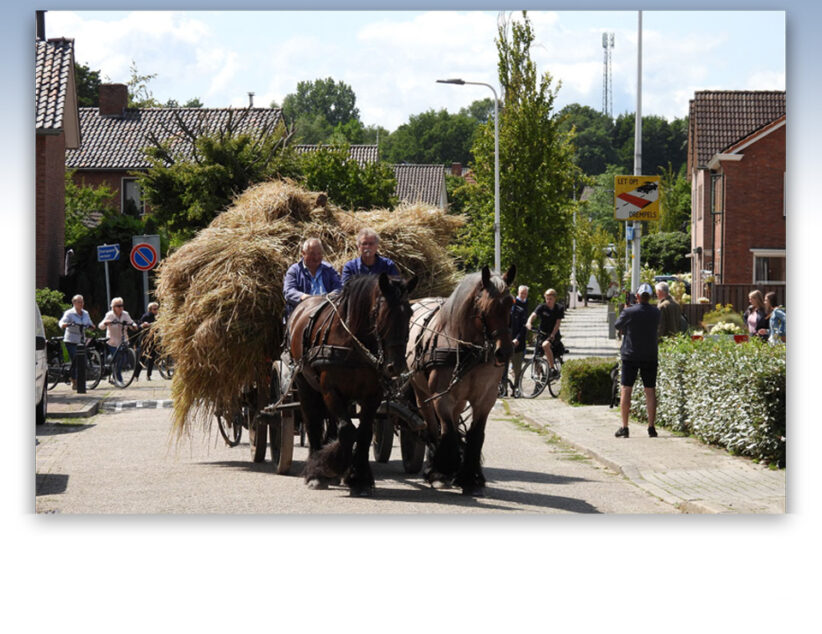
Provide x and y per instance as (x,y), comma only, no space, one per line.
(221,292)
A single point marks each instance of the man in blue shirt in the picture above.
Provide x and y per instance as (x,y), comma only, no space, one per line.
(369,262)
(640,325)
(310,276)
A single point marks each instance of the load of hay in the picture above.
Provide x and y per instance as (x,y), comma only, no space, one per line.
(221,293)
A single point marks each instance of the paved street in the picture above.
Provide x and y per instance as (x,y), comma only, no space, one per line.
(540,456)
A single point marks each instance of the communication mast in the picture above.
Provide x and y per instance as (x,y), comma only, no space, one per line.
(607,83)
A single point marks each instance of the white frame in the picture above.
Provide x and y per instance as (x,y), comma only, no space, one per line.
(768,253)
(123,181)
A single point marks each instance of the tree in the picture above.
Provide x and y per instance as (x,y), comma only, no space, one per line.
(674,201)
(186,194)
(537,173)
(318,107)
(666,251)
(347,183)
(191,103)
(662,143)
(585,253)
(81,202)
(87,83)
(139,94)
(592,139)
(432,138)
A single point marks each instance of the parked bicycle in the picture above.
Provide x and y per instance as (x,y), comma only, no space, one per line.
(59,370)
(536,374)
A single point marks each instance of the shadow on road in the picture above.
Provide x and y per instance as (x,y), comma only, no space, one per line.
(55,428)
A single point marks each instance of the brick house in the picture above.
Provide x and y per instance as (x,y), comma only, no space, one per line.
(57,129)
(736,162)
(114,137)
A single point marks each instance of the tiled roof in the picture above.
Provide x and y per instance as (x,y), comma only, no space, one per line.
(111,142)
(420,183)
(53,63)
(720,118)
(360,153)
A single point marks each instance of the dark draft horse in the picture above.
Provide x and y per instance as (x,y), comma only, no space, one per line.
(458,349)
(347,348)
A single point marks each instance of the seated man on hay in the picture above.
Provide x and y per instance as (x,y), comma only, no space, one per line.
(309,276)
(369,262)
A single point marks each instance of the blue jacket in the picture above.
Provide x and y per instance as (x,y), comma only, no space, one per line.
(298,281)
(356,267)
(640,325)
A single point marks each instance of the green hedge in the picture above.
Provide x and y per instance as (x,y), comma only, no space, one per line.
(51,327)
(587,381)
(724,393)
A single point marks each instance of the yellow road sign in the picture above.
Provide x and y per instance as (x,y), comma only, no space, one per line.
(636,197)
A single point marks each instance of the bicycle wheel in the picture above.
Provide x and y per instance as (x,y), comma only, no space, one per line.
(534,378)
(554,383)
(123,364)
(231,428)
(94,369)
(55,372)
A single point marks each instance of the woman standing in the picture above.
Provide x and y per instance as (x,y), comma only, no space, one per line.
(74,321)
(115,331)
(756,314)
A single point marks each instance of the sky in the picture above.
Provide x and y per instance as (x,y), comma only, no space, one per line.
(392,59)
(568,573)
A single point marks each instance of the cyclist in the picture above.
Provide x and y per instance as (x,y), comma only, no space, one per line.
(79,319)
(114,332)
(550,315)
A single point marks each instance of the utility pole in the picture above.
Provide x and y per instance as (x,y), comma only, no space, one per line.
(637,224)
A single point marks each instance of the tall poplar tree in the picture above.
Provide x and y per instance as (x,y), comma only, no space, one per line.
(537,174)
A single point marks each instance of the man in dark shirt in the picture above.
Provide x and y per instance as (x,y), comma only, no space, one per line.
(639,325)
(369,262)
(550,317)
(518,333)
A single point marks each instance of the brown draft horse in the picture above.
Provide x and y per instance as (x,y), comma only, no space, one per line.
(347,348)
(459,348)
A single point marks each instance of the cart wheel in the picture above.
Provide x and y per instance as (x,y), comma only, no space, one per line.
(413,451)
(231,429)
(383,438)
(281,435)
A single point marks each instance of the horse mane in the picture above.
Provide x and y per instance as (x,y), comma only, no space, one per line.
(356,300)
(456,314)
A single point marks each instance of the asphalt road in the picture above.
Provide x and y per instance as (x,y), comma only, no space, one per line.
(126,463)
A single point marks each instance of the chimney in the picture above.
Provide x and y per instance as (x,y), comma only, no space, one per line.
(456,169)
(251,100)
(113,99)
(40,25)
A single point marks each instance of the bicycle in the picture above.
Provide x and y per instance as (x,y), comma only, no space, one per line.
(536,375)
(59,370)
(123,362)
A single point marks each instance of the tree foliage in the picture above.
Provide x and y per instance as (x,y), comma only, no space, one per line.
(87,84)
(537,174)
(432,138)
(348,183)
(318,107)
(666,251)
(81,201)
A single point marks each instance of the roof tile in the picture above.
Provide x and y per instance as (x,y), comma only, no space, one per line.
(53,62)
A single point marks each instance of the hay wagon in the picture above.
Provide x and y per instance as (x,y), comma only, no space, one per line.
(271,413)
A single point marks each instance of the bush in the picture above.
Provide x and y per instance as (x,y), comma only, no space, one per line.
(51,327)
(728,394)
(587,381)
(51,302)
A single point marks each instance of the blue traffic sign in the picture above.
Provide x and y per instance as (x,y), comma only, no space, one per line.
(108,252)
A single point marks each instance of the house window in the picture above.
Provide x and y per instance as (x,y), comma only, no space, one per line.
(132,203)
(769,267)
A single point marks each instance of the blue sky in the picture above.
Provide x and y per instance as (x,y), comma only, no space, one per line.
(391,59)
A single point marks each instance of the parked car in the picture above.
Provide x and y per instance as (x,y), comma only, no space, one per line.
(40,369)
(595,292)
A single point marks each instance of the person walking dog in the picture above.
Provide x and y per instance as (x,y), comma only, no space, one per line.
(639,324)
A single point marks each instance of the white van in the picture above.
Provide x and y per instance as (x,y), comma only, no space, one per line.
(41,366)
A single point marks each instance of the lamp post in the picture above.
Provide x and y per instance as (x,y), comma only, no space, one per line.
(461,82)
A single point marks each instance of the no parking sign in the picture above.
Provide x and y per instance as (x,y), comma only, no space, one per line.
(143,256)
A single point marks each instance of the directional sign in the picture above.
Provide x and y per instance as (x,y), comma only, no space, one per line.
(636,197)
(108,252)
(143,256)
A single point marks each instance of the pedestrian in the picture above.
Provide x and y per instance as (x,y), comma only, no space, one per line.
(755,314)
(518,333)
(639,325)
(776,319)
(550,316)
(369,261)
(116,321)
(147,348)
(311,275)
(74,321)
(670,312)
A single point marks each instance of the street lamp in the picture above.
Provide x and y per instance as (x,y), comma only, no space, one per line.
(462,82)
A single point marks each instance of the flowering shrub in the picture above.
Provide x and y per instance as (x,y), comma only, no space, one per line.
(724,393)
(724,314)
(727,328)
